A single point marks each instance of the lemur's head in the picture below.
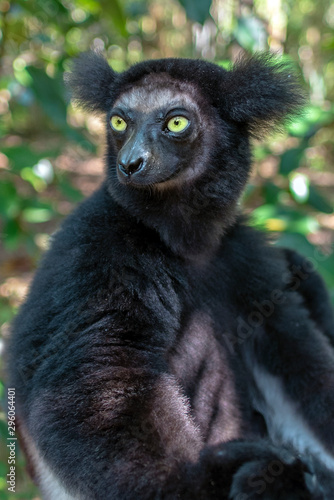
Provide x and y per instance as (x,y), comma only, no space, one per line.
(178,130)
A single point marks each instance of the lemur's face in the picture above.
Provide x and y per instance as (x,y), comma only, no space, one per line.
(159,134)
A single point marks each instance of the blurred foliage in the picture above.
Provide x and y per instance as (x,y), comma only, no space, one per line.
(45,142)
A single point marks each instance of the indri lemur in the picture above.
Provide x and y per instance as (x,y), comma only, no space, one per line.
(166,350)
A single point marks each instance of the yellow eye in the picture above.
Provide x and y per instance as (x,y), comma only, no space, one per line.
(177,124)
(118,124)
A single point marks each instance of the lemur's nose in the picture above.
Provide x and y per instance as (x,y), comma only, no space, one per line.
(130,167)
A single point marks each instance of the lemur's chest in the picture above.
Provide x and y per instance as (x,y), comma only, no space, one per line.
(200,361)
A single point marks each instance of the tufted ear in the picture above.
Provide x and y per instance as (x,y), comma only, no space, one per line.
(262,91)
(90,82)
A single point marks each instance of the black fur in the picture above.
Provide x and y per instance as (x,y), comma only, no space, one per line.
(258,91)
(91,81)
(136,356)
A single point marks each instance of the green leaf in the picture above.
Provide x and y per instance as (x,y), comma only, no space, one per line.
(226,64)
(276,218)
(271,192)
(11,234)
(291,159)
(328,42)
(77,136)
(9,200)
(137,8)
(311,120)
(49,93)
(35,215)
(316,200)
(114,9)
(37,183)
(197,10)
(22,157)
(6,314)
(297,242)
(250,33)
(42,8)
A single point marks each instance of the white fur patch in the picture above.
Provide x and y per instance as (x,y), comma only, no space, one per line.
(159,91)
(146,101)
(285,424)
(50,486)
